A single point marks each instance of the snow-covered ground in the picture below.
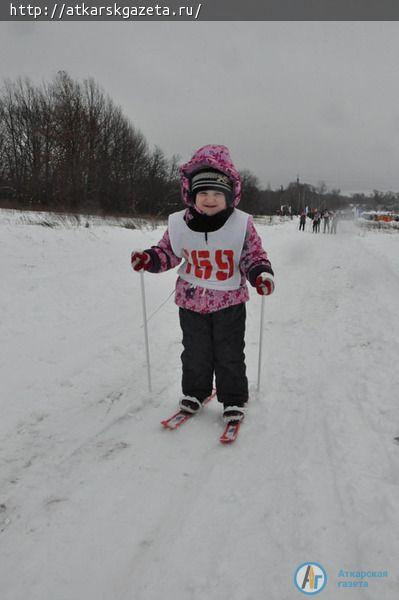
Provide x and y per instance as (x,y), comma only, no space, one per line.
(98,502)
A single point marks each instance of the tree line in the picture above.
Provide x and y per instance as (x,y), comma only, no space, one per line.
(66,146)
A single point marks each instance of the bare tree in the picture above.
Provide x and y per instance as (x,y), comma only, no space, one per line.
(66,145)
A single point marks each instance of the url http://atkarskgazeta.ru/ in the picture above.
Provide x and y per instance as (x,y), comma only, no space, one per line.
(59,11)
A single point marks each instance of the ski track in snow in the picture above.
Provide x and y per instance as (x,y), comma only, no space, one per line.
(97,501)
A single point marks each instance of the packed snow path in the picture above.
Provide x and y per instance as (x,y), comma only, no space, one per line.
(98,502)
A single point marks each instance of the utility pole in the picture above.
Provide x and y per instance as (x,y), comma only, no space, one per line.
(299,193)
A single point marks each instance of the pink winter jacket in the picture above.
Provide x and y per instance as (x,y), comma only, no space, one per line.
(253,260)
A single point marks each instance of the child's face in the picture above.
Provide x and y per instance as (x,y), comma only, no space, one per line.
(210,201)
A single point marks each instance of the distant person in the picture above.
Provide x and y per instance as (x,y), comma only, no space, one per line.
(334,221)
(302,221)
(326,220)
(316,222)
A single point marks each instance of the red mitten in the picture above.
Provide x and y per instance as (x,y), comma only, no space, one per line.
(140,260)
(264,284)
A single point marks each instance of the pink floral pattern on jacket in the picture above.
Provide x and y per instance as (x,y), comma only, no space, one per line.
(253,258)
(253,261)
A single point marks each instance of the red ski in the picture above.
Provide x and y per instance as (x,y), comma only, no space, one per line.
(230,432)
(182,416)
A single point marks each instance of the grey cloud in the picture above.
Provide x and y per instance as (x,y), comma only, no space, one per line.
(318,99)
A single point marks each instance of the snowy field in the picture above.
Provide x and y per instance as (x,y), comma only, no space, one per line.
(98,502)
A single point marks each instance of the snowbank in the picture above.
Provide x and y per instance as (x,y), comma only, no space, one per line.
(98,502)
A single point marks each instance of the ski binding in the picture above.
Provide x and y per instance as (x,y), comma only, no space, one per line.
(230,432)
(181,416)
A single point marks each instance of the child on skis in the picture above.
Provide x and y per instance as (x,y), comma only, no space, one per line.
(220,249)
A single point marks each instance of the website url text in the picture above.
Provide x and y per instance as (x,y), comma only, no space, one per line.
(59,11)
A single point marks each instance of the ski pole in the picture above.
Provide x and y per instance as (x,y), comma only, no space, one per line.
(159,307)
(262,311)
(147,348)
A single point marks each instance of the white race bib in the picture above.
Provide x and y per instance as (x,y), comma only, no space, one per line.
(212,263)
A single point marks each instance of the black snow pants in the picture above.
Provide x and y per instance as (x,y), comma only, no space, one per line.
(214,344)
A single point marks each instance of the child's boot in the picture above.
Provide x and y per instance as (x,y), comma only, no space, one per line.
(234,413)
(190,404)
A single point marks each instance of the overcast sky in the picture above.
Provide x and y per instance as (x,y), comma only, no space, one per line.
(311,98)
